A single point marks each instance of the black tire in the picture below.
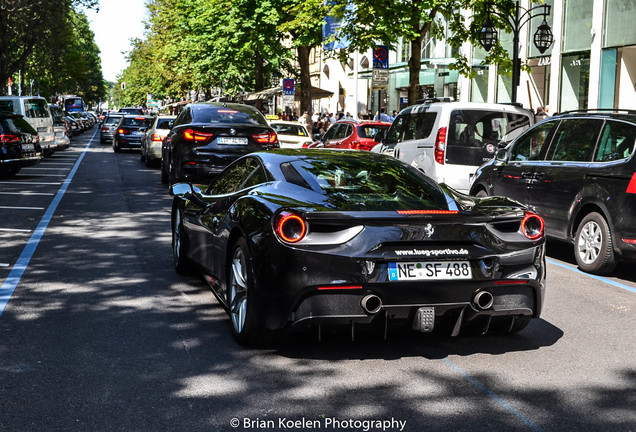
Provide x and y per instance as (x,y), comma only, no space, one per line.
(245,313)
(593,245)
(181,263)
(116,147)
(141,155)
(481,193)
(164,174)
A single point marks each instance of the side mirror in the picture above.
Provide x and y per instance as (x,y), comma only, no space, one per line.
(501,156)
(182,189)
(378,137)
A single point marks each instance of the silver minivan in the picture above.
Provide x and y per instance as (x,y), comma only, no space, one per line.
(449,140)
(35,110)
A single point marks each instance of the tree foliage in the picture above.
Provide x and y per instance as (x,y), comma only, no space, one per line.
(49,42)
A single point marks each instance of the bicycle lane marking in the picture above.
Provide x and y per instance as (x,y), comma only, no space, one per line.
(12,281)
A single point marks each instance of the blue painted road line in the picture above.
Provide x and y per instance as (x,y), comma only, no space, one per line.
(492,395)
(599,278)
(12,281)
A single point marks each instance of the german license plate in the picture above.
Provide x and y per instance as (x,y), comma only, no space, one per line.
(42,129)
(430,270)
(28,147)
(138,133)
(232,140)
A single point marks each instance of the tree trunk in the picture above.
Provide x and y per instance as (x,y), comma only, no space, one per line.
(415,65)
(305,80)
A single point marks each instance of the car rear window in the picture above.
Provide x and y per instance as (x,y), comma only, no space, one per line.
(286,129)
(112,120)
(358,184)
(410,125)
(473,136)
(15,125)
(227,115)
(136,121)
(369,131)
(36,108)
(164,123)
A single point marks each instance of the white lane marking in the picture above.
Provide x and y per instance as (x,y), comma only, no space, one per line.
(21,208)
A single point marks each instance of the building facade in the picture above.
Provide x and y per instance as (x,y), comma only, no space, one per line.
(592,64)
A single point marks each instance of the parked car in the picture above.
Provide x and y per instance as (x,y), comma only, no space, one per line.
(291,134)
(83,122)
(19,144)
(132,110)
(74,126)
(108,127)
(207,137)
(351,134)
(578,171)
(35,110)
(152,142)
(449,140)
(62,141)
(130,132)
(293,238)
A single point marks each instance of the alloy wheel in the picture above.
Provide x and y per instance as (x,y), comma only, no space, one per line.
(238,290)
(590,242)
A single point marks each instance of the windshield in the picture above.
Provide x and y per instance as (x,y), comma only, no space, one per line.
(366,185)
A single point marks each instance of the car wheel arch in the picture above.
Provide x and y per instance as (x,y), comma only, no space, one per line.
(584,209)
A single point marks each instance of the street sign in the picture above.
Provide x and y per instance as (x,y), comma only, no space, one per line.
(380,79)
(288,100)
(288,87)
(381,57)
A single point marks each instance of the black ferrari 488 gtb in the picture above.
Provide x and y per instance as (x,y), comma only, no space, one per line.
(289,238)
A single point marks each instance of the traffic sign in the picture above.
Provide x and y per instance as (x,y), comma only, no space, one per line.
(288,87)
(380,79)
(381,57)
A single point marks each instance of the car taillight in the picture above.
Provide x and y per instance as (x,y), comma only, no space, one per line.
(157,137)
(290,227)
(192,135)
(122,131)
(8,138)
(105,129)
(440,146)
(532,226)
(266,138)
(355,145)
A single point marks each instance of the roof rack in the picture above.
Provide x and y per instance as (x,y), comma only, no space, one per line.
(599,110)
(433,100)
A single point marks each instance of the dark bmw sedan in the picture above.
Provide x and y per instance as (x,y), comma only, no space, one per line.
(207,137)
(131,131)
(19,144)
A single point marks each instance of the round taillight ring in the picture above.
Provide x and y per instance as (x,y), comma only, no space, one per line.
(532,226)
(290,227)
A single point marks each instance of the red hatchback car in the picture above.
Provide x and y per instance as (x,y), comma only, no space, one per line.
(351,134)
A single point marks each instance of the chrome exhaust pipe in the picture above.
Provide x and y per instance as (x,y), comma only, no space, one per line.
(371,304)
(483,300)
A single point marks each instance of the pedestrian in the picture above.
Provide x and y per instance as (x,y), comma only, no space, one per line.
(382,116)
(305,120)
(395,113)
(540,114)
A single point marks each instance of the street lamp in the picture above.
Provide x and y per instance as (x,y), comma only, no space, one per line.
(542,38)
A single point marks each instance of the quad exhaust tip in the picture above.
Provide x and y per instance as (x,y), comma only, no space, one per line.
(371,304)
(483,300)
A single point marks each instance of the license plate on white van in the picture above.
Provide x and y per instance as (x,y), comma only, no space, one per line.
(42,129)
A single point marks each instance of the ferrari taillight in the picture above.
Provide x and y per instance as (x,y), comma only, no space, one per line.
(266,138)
(290,227)
(440,146)
(196,136)
(532,226)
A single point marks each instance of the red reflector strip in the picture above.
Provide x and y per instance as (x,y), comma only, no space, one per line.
(631,188)
(340,287)
(434,212)
(511,282)
(630,241)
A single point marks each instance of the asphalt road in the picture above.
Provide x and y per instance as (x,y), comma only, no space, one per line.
(98,333)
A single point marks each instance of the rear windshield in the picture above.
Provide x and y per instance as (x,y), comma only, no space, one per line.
(112,120)
(369,131)
(15,125)
(286,129)
(474,136)
(36,108)
(224,115)
(58,115)
(164,123)
(132,111)
(136,121)
(357,184)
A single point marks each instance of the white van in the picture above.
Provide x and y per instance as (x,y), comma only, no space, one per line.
(449,140)
(36,111)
